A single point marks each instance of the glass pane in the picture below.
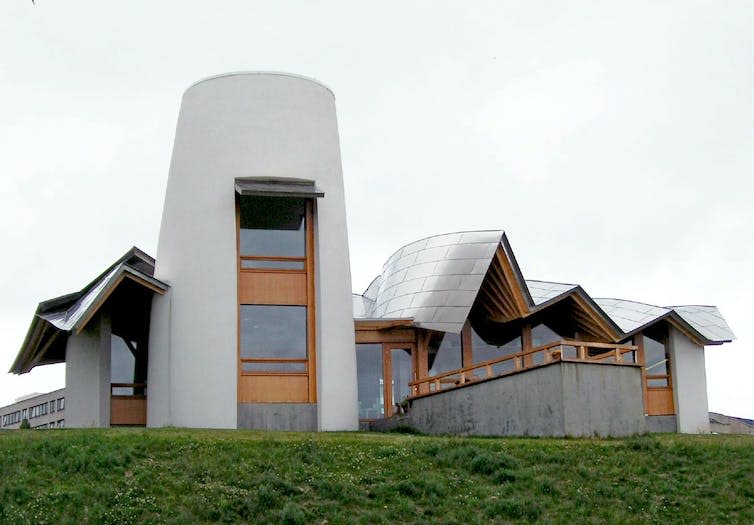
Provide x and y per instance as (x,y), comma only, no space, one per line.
(273,226)
(446,355)
(655,358)
(122,362)
(274,265)
(273,367)
(543,334)
(401,360)
(273,331)
(656,383)
(370,381)
(484,351)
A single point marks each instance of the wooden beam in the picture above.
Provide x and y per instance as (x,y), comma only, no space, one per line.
(510,275)
(403,335)
(467,357)
(526,343)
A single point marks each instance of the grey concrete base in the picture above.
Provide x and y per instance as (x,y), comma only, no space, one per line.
(661,424)
(278,416)
(558,399)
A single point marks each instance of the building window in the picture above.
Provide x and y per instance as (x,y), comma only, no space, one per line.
(52,406)
(656,361)
(498,344)
(272,233)
(61,404)
(370,379)
(61,423)
(444,352)
(276,300)
(273,338)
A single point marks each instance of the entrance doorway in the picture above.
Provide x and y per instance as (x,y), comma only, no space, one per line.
(384,373)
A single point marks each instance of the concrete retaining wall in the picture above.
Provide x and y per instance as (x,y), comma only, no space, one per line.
(559,399)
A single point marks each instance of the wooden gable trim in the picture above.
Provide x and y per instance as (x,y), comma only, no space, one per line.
(501,293)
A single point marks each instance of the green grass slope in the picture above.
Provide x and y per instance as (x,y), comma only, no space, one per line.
(198,476)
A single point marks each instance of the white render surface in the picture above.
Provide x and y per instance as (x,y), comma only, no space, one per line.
(232,126)
(87,376)
(689,384)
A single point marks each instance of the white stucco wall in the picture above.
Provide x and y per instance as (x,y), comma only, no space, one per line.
(689,383)
(244,125)
(87,376)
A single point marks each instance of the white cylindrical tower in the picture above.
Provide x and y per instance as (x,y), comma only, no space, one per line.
(250,150)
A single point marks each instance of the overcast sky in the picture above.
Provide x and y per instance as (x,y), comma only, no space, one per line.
(613,141)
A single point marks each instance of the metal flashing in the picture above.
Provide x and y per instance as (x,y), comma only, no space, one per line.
(276,187)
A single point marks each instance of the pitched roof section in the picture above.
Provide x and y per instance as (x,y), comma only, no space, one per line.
(56,318)
(704,322)
(543,291)
(707,320)
(435,282)
(631,315)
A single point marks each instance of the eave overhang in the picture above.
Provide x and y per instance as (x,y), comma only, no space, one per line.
(55,319)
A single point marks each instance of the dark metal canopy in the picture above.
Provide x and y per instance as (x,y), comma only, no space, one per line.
(276,187)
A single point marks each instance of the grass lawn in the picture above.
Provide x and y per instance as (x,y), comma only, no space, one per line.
(200,476)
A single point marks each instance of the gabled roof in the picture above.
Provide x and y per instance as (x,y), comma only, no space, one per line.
(55,318)
(704,323)
(707,320)
(433,281)
(436,281)
(542,292)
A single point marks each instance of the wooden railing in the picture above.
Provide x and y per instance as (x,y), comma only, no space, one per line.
(563,350)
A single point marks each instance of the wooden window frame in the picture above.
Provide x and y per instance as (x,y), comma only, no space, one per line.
(310,361)
(658,400)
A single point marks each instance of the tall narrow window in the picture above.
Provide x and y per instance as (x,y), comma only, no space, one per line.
(276,300)
(370,380)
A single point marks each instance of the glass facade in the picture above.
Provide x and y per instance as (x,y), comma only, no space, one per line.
(484,351)
(370,381)
(445,353)
(401,373)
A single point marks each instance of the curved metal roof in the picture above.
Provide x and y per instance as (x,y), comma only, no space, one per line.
(435,282)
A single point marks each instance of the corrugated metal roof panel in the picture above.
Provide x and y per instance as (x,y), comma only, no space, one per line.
(630,315)
(543,291)
(707,320)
